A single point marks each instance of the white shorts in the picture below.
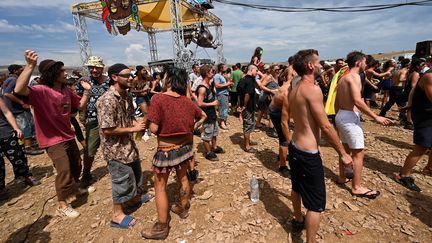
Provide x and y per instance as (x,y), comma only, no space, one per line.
(350,129)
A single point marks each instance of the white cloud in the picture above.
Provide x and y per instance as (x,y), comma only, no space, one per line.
(59,27)
(136,53)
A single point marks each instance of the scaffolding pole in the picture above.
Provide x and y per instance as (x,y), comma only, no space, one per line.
(219,44)
(82,37)
(153,46)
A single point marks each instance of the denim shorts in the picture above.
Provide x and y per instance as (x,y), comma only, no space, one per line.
(248,122)
(126,180)
(209,130)
(26,124)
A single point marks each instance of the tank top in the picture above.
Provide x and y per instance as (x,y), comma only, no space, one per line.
(208,98)
(421,109)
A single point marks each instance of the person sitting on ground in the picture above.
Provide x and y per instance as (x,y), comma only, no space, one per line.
(347,105)
(10,147)
(52,103)
(172,117)
(207,102)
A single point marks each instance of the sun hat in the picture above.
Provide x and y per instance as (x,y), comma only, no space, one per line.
(95,61)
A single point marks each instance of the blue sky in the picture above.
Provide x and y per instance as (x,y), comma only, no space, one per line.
(47,27)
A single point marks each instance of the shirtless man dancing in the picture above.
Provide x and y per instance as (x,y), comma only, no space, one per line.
(305,106)
(347,106)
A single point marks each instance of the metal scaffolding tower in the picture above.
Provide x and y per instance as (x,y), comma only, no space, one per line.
(82,36)
(153,46)
(182,56)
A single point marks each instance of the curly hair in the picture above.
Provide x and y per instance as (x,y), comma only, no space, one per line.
(51,75)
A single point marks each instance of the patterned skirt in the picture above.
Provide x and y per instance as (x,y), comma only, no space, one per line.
(172,158)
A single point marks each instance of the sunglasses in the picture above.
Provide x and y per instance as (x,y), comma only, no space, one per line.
(125,75)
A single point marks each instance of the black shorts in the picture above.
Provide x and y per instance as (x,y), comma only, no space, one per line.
(276,117)
(307,178)
(234,99)
(423,136)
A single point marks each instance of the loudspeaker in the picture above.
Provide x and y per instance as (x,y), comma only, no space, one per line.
(423,49)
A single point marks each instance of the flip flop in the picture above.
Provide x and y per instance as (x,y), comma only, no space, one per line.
(367,195)
(125,223)
(251,150)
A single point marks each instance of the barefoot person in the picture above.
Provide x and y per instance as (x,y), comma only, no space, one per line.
(172,118)
(305,105)
(348,104)
(52,102)
(117,122)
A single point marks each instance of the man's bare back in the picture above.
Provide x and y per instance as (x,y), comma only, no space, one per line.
(400,77)
(277,101)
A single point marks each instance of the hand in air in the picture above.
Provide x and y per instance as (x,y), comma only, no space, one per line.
(85,84)
(31,57)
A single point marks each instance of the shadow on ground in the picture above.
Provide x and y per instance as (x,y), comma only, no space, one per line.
(278,209)
(32,233)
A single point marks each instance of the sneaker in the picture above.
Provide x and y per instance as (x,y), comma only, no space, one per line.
(218,150)
(68,212)
(407,182)
(85,191)
(272,133)
(212,156)
(284,171)
(86,180)
(298,226)
(33,151)
(31,181)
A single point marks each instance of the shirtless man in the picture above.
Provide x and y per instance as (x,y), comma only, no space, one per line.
(305,105)
(291,73)
(396,91)
(275,112)
(347,106)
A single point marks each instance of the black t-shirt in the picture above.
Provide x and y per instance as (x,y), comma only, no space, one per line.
(5,129)
(208,98)
(247,85)
(97,90)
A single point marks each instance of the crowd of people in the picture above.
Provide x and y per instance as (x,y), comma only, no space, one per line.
(300,101)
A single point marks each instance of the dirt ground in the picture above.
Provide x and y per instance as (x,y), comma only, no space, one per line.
(221,210)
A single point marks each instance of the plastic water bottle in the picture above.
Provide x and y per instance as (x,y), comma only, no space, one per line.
(254,190)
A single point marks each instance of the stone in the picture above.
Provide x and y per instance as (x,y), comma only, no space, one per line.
(218,216)
(351,206)
(205,196)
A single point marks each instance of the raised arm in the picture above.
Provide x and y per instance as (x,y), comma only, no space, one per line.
(23,80)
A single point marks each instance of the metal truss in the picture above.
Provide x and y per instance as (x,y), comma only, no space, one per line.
(82,37)
(153,46)
(182,55)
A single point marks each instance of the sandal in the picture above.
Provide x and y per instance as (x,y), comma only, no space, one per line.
(367,194)
(126,223)
(407,182)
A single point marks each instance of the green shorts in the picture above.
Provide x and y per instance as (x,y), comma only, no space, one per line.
(92,139)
